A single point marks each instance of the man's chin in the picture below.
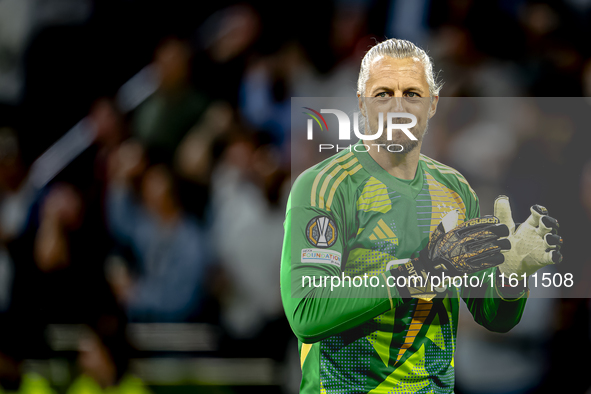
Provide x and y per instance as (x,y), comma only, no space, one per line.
(395,147)
(402,147)
(408,146)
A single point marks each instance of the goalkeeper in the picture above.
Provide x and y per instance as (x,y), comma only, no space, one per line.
(390,215)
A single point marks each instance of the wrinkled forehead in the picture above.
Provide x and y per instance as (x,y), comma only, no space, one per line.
(385,69)
(395,64)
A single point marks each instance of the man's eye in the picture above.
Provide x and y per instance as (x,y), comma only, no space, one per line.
(412,94)
(383,94)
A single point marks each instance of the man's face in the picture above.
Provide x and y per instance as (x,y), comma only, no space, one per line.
(397,85)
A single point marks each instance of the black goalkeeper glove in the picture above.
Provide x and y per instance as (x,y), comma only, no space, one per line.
(473,246)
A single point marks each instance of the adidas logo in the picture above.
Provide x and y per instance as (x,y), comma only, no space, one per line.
(383,232)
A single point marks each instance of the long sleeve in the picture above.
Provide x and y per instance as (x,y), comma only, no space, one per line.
(315,313)
(488,308)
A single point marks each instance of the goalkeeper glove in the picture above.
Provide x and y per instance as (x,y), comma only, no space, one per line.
(472,246)
(534,244)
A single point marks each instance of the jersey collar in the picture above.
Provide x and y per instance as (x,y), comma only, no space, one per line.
(409,188)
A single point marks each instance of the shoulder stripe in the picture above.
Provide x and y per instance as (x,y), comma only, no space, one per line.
(334,187)
(324,171)
(435,165)
(447,170)
(440,166)
(329,177)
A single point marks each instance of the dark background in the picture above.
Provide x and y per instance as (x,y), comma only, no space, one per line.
(207,158)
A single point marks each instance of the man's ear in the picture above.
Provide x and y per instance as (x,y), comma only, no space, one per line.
(361,103)
(433,106)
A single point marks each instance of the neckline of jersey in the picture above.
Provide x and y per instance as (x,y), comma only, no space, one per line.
(408,187)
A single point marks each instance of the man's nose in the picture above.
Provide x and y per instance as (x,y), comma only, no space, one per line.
(397,104)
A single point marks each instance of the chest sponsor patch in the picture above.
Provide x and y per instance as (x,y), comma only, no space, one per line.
(321,256)
(321,232)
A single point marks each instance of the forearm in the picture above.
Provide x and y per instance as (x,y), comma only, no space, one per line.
(493,307)
(315,313)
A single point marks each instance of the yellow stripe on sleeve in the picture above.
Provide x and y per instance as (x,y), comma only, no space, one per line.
(334,187)
(321,174)
(329,177)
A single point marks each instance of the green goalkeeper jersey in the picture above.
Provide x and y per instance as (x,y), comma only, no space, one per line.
(347,217)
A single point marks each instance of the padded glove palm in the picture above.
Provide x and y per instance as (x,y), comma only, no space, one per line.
(534,244)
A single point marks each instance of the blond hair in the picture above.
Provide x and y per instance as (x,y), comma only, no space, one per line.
(398,49)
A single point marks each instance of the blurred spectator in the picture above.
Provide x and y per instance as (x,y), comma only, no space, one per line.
(194,158)
(67,258)
(170,248)
(58,271)
(322,63)
(110,131)
(468,71)
(61,214)
(103,361)
(223,46)
(249,196)
(161,122)
(198,152)
(407,20)
(266,91)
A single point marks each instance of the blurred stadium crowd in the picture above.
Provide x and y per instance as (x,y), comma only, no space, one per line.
(174,212)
